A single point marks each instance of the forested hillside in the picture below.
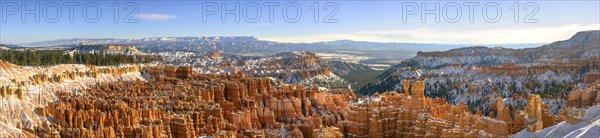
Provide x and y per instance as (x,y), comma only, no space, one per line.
(54,57)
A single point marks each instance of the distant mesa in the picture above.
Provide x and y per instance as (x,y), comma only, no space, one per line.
(107,49)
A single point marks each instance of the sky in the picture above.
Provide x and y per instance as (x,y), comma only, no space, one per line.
(450,22)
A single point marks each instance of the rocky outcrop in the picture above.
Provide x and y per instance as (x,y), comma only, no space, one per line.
(548,118)
(161,72)
(586,127)
(502,113)
(585,97)
(184,72)
(534,113)
(591,77)
(215,55)
(327,132)
(573,115)
(417,89)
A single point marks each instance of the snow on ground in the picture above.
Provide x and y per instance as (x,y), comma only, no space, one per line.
(15,111)
(588,128)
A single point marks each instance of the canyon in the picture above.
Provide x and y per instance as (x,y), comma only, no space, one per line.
(170,101)
(175,102)
(548,91)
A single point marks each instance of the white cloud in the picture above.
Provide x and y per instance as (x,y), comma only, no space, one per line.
(157,17)
(426,35)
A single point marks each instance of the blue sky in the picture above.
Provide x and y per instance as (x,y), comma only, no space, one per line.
(380,21)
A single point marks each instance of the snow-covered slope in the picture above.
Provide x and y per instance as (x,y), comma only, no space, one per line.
(18,110)
(588,128)
(298,67)
(2,47)
(469,75)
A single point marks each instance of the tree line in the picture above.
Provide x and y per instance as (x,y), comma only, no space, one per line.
(30,57)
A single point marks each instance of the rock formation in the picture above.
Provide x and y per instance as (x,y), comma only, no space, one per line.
(186,105)
(401,115)
(591,77)
(327,132)
(25,90)
(534,113)
(234,106)
(215,55)
(586,97)
(573,115)
(302,68)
